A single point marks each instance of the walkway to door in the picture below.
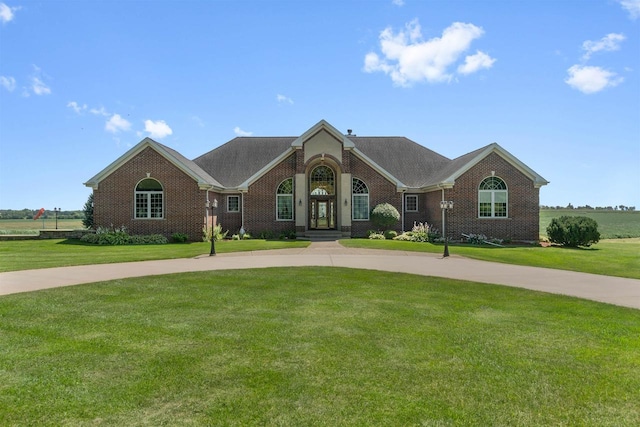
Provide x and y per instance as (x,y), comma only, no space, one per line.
(612,290)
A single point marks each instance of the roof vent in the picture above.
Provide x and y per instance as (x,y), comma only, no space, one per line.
(349,131)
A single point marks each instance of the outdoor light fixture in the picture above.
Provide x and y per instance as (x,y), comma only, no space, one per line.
(213,205)
(445,206)
(300,202)
(56,210)
(346,202)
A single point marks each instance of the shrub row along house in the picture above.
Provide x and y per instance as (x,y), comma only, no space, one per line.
(321,182)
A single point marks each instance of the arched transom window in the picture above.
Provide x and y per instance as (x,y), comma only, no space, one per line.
(492,198)
(149,199)
(322,181)
(284,200)
(359,200)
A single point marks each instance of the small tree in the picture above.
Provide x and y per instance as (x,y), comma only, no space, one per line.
(384,216)
(573,231)
(87,221)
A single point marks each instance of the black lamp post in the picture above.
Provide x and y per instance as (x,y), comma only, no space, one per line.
(445,206)
(56,210)
(213,205)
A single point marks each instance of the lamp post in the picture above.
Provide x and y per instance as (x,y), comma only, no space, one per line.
(445,206)
(213,205)
(56,210)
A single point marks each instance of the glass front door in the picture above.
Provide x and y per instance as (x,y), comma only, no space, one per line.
(322,214)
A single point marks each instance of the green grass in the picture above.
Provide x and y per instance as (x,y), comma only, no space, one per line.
(617,257)
(314,346)
(33,254)
(29,226)
(611,224)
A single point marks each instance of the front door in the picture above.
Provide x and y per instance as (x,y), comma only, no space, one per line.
(322,214)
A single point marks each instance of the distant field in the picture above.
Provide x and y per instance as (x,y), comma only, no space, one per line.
(29,226)
(611,224)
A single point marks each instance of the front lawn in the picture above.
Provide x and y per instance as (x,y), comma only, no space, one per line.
(32,254)
(314,346)
(618,257)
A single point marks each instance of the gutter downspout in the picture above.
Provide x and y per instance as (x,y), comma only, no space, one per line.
(443,213)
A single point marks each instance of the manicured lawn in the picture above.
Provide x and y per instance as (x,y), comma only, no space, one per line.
(314,346)
(29,226)
(617,257)
(611,224)
(32,254)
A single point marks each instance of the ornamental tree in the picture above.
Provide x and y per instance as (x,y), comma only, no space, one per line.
(384,216)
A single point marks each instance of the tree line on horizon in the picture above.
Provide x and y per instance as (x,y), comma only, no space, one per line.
(587,207)
(30,213)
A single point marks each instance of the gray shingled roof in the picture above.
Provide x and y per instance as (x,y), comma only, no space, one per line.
(408,161)
(204,176)
(239,159)
(414,165)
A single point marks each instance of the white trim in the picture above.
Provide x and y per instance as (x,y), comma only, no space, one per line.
(148,195)
(493,202)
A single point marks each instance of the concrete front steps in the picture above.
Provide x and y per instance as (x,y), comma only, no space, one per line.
(322,235)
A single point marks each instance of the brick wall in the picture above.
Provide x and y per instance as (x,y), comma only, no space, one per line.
(260,200)
(523,213)
(380,191)
(184,202)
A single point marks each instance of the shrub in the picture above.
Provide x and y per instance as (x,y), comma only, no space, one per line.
(573,231)
(420,232)
(405,237)
(179,237)
(384,216)
(376,236)
(390,234)
(120,236)
(217,233)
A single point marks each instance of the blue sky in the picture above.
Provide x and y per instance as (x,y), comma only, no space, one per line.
(556,83)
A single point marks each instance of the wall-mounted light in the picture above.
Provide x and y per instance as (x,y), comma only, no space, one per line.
(346,202)
(300,202)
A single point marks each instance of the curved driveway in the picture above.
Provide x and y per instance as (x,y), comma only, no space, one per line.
(612,290)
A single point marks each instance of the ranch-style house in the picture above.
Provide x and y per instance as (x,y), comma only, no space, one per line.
(321,182)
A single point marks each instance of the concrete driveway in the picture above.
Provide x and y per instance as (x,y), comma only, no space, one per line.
(612,290)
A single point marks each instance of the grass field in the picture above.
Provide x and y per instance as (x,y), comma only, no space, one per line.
(29,226)
(611,224)
(314,346)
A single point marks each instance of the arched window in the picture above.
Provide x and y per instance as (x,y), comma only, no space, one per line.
(322,181)
(492,198)
(284,200)
(359,200)
(149,199)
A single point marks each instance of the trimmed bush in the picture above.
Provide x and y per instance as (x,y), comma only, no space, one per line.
(179,237)
(384,216)
(390,234)
(573,231)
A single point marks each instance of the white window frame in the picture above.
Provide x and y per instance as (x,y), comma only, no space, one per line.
(358,196)
(285,196)
(229,210)
(492,194)
(147,197)
(406,203)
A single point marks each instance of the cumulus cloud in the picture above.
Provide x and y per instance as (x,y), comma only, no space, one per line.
(77,107)
(632,7)
(240,132)
(9,83)
(473,63)
(39,87)
(589,79)
(158,129)
(284,99)
(398,2)
(6,13)
(99,112)
(608,43)
(407,58)
(116,124)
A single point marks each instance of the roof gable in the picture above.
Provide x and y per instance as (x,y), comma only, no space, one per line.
(203,179)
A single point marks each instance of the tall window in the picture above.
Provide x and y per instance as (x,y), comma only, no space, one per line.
(233,203)
(322,181)
(360,200)
(149,199)
(284,200)
(411,203)
(492,198)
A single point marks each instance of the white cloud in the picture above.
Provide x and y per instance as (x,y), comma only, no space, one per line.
(116,124)
(158,129)
(608,43)
(589,79)
(284,99)
(76,107)
(9,83)
(198,120)
(398,2)
(99,111)
(407,58)
(6,13)
(39,87)
(473,63)
(240,132)
(631,6)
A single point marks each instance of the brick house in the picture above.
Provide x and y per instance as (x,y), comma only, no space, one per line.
(322,182)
